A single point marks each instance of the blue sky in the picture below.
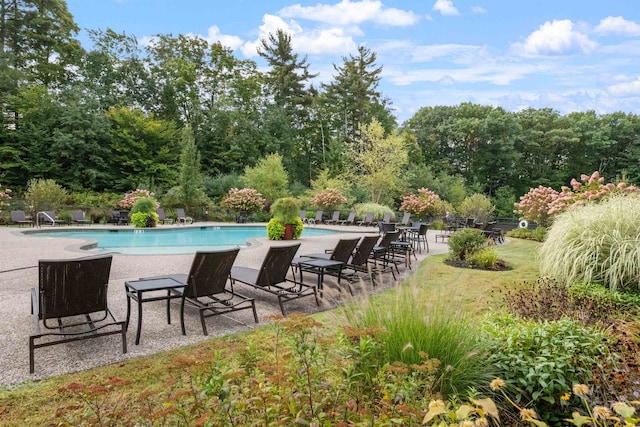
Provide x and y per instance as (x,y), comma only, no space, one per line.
(569,55)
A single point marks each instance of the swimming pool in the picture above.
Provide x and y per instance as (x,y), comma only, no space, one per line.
(170,241)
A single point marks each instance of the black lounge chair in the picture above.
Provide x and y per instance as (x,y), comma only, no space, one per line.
(46,218)
(419,239)
(342,252)
(162,217)
(271,277)
(120,217)
(368,219)
(359,262)
(335,217)
(317,219)
(77,217)
(207,288)
(69,293)
(18,217)
(182,218)
(351,219)
(382,252)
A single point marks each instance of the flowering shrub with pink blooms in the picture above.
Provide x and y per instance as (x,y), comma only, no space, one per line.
(245,199)
(4,196)
(422,204)
(328,199)
(535,205)
(543,203)
(132,196)
(592,188)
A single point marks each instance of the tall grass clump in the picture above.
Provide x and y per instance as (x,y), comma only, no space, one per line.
(595,243)
(413,328)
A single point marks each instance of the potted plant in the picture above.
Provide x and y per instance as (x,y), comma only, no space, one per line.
(286,223)
(143,212)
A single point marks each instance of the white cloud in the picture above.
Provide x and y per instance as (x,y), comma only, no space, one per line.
(347,13)
(618,25)
(445,7)
(628,88)
(326,41)
(456,53)
(479,9)
(214,36)
(555,38)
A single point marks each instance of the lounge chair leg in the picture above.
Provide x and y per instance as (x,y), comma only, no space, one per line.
(31,357)
(255,314)
(184,332)
(282,306)
(204,324)
(124,340)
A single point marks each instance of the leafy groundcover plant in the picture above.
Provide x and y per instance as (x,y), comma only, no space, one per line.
(540,361)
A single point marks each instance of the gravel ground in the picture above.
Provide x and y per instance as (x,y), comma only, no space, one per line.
(19,255)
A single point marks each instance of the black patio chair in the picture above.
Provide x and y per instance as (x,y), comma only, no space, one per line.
(335,217)
(360,261)
(78,217)
(18,217)
(368,219)
(207,288)
(350,219)
(162,216)
(70,303)
(342,252)
(271,276)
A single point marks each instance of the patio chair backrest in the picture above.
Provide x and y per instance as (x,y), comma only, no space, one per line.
(368,218)
(386,217)
(180,213)
(303,215)
(335,216)
(344,249)
(276,264)
(422,231)
(361,255)
(319,216)
(161,214)
(405,218)
(209,272)
(350,218)
(73,287)
(386,227)
(388,238)
(17,216)
(77,215)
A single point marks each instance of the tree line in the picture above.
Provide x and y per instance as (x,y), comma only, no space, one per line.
(111,118)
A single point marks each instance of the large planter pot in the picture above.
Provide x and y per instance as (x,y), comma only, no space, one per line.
(289,230)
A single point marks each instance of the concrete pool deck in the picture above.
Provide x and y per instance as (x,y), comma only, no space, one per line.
(19,255)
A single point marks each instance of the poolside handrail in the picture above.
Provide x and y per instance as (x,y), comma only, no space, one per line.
(53,221)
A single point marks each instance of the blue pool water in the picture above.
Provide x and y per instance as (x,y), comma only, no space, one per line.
(171,241)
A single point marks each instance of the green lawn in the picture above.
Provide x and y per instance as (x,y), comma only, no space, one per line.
(473,290)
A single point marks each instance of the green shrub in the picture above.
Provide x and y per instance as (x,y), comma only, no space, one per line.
(538,234)
(45,194)
(144,219)
(617,303)
(598,243)
(484,258)
(286,209)
(476,206)
(413,328)
(438,224)
(378,210)
(144,205)
(540,361)
(464,243)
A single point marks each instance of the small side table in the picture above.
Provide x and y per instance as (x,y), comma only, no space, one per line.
(319,266)
(135,290)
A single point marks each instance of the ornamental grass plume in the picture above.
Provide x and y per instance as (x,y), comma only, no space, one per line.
(245,199)
(422,204)
(595,243)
